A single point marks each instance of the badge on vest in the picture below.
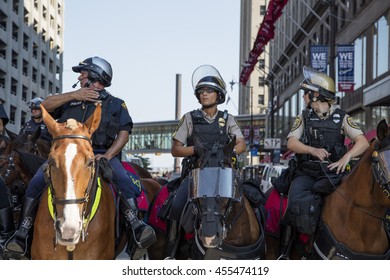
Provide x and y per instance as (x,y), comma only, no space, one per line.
(336,118)
(221,122)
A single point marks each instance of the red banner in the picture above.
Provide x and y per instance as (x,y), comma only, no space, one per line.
(264,35)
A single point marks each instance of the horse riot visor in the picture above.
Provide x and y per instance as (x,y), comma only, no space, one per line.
(381,164)
(214,182)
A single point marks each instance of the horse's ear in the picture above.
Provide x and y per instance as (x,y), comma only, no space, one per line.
(11,135)
(94,120)
(382,130)
(51,123)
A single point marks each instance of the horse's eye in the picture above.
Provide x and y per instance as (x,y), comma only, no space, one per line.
(90,162)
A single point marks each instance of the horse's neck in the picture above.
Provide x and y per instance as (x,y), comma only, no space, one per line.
(349,208)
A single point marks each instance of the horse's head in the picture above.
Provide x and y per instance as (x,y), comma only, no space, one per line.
(70,173)
(21,157)
(213,190)
(381,158)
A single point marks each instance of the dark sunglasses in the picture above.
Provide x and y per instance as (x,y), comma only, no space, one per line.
(203,90)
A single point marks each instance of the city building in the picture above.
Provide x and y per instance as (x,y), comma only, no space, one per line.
(31,54)
(253,97)
(360,23)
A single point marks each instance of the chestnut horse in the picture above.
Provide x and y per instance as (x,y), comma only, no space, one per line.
(354,224)
(83,228)
(223,223)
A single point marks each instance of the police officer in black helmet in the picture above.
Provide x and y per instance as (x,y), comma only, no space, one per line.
(36,121)
(107,141)
(7,227)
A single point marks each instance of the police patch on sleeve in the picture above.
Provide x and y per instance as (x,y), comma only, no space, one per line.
(124,105)
(177,127)
(351,123)
(297,123)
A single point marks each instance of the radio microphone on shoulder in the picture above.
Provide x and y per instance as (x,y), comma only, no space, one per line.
(75,84)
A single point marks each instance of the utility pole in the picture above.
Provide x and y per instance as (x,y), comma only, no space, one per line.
(332,38)
(251,146)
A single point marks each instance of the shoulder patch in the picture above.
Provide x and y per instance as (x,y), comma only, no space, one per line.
(351,123)
(177,127)
(297,123)
(124,105)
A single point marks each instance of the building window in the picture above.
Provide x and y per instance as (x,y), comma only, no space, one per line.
(263,10)
(261,81)
(380,47)
(260,99)
(360,61)
(261,63)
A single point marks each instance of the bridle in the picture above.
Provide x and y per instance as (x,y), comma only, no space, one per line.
(82,200)
(379,170)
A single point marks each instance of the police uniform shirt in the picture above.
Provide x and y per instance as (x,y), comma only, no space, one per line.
(185,126)
(31,126)
(348,128)
(85,109)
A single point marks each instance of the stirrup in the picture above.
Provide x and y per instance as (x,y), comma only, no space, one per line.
(283,257)
(147,238)
(14,250)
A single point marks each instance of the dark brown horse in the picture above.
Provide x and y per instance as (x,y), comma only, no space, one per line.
(84,227)
(353,215)
(223,222)
(20,160)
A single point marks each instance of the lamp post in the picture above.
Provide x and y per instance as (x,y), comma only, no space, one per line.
(251,126)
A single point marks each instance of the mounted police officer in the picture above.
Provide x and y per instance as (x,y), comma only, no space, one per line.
(208,125)
(317,137)
(36,121)
(108,141)
(7,226)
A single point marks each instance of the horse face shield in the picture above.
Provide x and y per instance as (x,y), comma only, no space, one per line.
(381,169)
(212,190)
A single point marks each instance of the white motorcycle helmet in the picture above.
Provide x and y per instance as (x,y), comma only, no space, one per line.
(208,76)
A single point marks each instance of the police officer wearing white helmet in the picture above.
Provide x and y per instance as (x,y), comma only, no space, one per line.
(317,138)
(208,125)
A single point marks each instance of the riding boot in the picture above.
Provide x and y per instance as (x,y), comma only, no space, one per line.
(286,240)
(7,227)
(17,246)
(143,234)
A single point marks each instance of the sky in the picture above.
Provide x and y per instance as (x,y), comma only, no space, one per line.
(149,42)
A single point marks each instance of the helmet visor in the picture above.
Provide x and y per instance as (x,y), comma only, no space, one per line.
(208,76)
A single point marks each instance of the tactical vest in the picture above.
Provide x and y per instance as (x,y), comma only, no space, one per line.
(207,133)
(325,134)
(109,125)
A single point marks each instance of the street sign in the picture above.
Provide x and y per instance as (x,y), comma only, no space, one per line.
(272,143)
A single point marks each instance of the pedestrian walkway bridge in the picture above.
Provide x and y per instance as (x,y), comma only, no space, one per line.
(156,137)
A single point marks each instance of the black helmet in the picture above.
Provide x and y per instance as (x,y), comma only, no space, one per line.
(34,103)
(208,76)
(98,68)
(319,82)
